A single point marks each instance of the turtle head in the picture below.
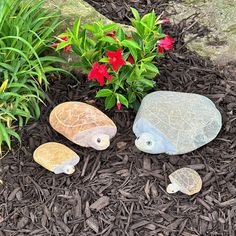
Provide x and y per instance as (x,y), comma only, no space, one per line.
(172,188)
(68,169)
(100,141)
(149,143)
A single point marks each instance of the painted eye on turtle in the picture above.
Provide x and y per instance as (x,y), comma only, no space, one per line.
(99,140)
(149,143)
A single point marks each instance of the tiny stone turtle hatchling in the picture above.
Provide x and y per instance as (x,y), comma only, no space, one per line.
(175,122)
(83,124)
(56,157)
(185,180)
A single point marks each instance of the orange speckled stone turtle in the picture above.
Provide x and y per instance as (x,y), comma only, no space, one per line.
(83,124)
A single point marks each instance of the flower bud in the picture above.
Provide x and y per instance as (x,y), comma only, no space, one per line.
(118,104)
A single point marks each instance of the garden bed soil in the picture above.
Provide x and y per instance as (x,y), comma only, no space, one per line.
(121,191)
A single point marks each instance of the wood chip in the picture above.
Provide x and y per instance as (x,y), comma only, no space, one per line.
(228,203)
(231,188)
(139,224)
(123,172)
(100,203)
(154,191)
(203,203)
(78,206)
(19,195)
(87,210)
(13,194)
(146,163)
(121,145)
(197,166)
(125,194)
(22,222)
(147,189)
(93,224)
(150,226)
(63,226)
(85,165)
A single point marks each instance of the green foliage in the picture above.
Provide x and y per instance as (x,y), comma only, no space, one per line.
(25,33)
(133,80)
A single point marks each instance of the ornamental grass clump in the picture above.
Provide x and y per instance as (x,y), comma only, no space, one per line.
(121,63)
(25,34)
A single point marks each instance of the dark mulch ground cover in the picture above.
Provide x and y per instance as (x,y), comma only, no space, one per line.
(121,191)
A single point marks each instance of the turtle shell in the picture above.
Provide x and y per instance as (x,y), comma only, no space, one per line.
(188,121)
(187,179)
(75,120)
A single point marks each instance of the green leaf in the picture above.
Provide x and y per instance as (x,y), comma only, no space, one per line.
(130,44)
(5,135)
(104,60)
(139,27)
(108,39)
(151,67)
(110,102)
(104,93)
(109,27)
(135,13)
(14,134)
(149,20)
(63,45)
(83,42)
(122,99)
(52,58)
(90,27)
(133,52)
(76,28)
(148,59)
(131,96)
(125,56)
(149,83)
(120,34)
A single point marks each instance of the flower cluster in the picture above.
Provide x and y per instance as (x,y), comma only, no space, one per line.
(99,72)
(121,63)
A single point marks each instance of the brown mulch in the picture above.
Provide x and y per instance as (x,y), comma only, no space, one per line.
(121,191)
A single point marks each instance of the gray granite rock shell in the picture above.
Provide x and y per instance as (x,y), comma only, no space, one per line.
(184,121)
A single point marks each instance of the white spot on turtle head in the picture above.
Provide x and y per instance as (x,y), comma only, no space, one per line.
(100,141)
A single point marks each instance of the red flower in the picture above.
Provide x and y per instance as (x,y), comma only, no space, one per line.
(115,59)
(66,48)
(167,20)
(130,37)
(113,34)
(98,72)
(130,59)
(160,49)
(118,105)
(166,43)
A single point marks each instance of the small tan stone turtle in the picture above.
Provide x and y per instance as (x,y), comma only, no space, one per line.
(56,157)
(83,124)
(185,180)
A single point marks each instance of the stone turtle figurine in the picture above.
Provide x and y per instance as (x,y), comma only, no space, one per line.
(185,180)
(83,124)
(175,122)
(56,157)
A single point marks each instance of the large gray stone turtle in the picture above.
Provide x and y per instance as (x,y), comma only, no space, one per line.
(175,123)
